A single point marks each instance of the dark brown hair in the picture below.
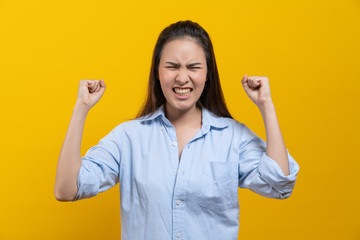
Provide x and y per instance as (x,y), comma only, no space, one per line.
(212,97)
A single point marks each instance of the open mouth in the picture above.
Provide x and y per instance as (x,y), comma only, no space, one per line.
(182,91)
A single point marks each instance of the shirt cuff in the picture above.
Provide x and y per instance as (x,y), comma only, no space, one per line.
(271,172)
(86,183)
(77,197)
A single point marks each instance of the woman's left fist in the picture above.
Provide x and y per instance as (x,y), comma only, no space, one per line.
(257,88)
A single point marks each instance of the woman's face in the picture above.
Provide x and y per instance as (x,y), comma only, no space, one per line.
(182,73)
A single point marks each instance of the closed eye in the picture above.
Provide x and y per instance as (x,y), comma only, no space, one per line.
(191,66)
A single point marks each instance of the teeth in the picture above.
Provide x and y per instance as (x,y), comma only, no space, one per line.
(182,91)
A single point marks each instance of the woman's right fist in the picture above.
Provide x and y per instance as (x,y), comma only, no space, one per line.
(90,92)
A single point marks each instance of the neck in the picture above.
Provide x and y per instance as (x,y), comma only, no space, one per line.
(185,117)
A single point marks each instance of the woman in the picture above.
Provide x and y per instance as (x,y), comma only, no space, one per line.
(180,163)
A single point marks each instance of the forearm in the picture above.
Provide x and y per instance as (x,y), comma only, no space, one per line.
(69,161)
(275,147)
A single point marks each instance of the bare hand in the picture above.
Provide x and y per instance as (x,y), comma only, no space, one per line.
(257,88)
(90,92)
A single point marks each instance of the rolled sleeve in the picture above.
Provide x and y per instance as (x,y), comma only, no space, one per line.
(271,172)
(99,169)
(260,173)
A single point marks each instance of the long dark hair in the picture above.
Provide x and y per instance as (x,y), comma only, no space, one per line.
(212,97)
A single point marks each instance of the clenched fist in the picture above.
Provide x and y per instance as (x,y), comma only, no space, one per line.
(257,88)
(90,92)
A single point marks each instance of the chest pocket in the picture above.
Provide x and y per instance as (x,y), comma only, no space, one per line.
(219,187)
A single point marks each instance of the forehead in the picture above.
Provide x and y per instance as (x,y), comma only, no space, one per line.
(184,49)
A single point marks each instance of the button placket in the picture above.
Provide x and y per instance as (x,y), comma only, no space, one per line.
(170,133)
(178,213)
(180,192)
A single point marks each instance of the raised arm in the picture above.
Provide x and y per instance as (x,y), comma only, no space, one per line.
(258,90)
(69,162)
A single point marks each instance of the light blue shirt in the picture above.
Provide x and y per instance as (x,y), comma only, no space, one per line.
(195,198)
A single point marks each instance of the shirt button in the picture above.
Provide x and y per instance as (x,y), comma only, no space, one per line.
(178,202)
(175,171)
(162,128)
(178,235)
(174,144)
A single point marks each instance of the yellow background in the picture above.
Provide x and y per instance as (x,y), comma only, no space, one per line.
(309,50)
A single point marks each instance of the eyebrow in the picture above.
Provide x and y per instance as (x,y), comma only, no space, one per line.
(189,65)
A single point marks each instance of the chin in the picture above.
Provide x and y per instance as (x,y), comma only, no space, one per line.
(181,106)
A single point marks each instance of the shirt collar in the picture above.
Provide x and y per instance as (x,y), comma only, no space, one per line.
(209,119)
(212,120)
(151,116)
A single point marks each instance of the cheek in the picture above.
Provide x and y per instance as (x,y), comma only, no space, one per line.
(165,80)
(166,76)
(200,77)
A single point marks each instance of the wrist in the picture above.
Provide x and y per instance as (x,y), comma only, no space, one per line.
(81,108)
(266,106)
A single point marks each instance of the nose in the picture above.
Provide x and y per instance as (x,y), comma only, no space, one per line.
(182,77)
